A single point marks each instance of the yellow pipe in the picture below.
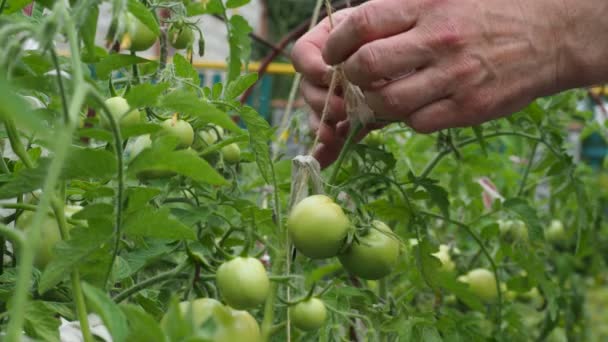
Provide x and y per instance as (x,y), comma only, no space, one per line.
(273,68)
(601,90)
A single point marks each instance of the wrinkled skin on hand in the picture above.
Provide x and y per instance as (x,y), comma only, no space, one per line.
(437,64)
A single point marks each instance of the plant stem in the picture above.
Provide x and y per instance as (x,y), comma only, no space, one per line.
(149,282)
(62,144)
(435,161)
(64,101)
(347,144)
(524,179)
(277,267)
(118,148)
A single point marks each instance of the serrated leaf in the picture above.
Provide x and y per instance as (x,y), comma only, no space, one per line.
(148,222)
(139,129)
(259,135)
(89,163)
(116,61)
(95,210)
(145,254)
(184,162)
(138,197)
(69,254)
(439,196)
(26,180)
(240,45)
(111,315)
(184,69)
(89,28)
(40,322)
(188,103)
(142,326)
(141,12)
(145,94)
(239,85)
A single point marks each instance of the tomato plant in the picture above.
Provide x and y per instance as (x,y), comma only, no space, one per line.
(198,220)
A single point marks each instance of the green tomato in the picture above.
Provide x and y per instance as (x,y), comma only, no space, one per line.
(243,282)
(447,265)
(180,37)
(375,138)
(513,230)
(556,233)
(118,107)
(231,153)
(230,325)
(139,36)
(50,234)
(212,135)
(318,226)
(181,130)
(374,255)
(482,283)
(309,315)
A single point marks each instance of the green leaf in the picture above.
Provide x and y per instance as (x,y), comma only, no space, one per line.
(148,222)
(184,162)
(478,130)
(439,196)
(116,61)
(240,45)
(141,12)
(145,94)
(526,213)
(113,318)
(236,3)
(185,70)
(139,129)
(188,103)
(89,163)
(69,254)
(143,255)
(40,322)
(96,133)
(89,29)
(13,6)
(16,109)
(142,326)
(238,86)
(259,135)
(95,210)
(138,197)
(26,180)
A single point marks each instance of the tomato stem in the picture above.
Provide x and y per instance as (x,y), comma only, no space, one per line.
(347,145)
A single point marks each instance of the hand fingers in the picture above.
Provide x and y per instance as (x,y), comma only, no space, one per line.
(316,96)
(439,115)
(306,53)
(388,58)
(327,154)
(325,131)
(370,21)
(398,99)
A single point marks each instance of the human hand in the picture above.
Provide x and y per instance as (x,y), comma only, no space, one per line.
(436,64)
